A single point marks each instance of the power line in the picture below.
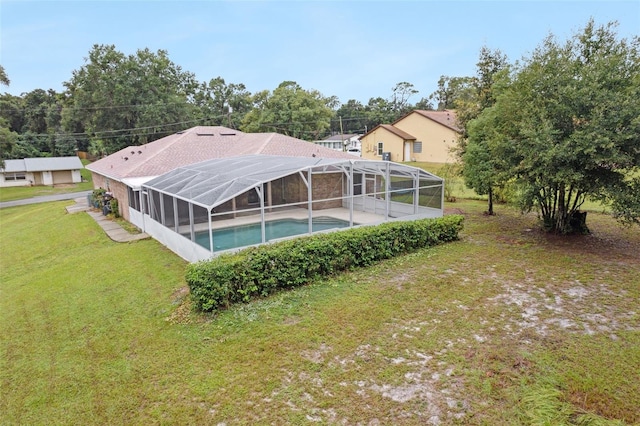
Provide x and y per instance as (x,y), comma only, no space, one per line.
(104,134)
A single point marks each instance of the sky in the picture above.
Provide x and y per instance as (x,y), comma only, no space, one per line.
(348,49)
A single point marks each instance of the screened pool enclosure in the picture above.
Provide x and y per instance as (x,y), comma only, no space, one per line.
(201,210)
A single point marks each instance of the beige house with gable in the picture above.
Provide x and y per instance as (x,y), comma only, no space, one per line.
(425,136)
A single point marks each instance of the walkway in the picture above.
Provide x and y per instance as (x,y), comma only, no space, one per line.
(111,228)
(44,199)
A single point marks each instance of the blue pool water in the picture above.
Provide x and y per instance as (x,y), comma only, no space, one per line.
(245,235)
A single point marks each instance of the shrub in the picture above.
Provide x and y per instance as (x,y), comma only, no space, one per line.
(259,271)
(97,197)
(113,204)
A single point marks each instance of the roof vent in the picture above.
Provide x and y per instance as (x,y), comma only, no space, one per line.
(139,152)
(180,132)
(228,134)
(204,134)
(126,158)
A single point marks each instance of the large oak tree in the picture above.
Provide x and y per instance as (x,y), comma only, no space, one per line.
(126,100)
(290,110)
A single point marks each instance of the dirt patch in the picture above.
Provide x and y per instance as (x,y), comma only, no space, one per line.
(424,389)
(453,210)
(180,293)
(574,308)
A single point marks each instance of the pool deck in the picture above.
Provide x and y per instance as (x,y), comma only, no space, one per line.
(359,218)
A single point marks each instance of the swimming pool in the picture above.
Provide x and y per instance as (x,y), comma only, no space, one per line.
(246,235)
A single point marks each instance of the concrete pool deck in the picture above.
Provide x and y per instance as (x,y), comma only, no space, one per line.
(359,218)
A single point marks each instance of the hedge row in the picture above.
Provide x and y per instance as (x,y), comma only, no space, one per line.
(261,270)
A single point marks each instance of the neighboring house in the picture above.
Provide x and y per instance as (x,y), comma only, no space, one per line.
(41,171)
(341,142)
(124,172)
(426,136)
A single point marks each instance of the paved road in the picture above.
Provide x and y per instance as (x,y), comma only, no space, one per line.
(45,199)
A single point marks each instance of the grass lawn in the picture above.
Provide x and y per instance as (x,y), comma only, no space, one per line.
(506,326)
(22,192)
(454,184)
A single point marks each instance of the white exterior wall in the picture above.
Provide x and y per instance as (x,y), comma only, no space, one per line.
(76,177)
(175,242)
(136,218)
(12,183)
(46,177)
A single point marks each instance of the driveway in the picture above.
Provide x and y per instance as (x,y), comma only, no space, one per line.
(44,199)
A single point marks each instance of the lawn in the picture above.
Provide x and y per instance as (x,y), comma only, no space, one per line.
(22,192)
(506,326)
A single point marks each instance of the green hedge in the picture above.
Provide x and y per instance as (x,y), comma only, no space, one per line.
(261,270)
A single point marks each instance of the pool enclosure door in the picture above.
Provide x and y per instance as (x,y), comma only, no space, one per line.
(369,193)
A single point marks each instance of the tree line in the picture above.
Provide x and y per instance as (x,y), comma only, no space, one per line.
(116,100)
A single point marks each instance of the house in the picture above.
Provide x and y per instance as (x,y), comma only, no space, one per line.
(124,172)
(41,171)
(425,136)
(342,142)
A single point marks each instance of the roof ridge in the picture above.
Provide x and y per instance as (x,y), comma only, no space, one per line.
(266,142)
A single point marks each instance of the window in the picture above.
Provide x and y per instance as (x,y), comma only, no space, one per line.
(15,176)
(417,147)
(380,148)
(134,201)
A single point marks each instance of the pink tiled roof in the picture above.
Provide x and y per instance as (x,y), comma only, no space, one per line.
(199,144)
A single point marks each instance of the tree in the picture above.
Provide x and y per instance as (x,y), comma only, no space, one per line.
(7,142)
(353,118)
(291,110)
(479,93)
(483,170)
(452,90)
(379,111)
(4,79)
(400,95)
(7,137)
(127,100)
(220,103)
(480,168)
(12,110)
(424,104)
(569,127)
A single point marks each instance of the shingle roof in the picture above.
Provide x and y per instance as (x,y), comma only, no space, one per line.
(199,144)
(391,129)
(340,137)
(42,164)
(446,118)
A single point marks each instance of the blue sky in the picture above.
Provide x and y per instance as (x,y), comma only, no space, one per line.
(349,49)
